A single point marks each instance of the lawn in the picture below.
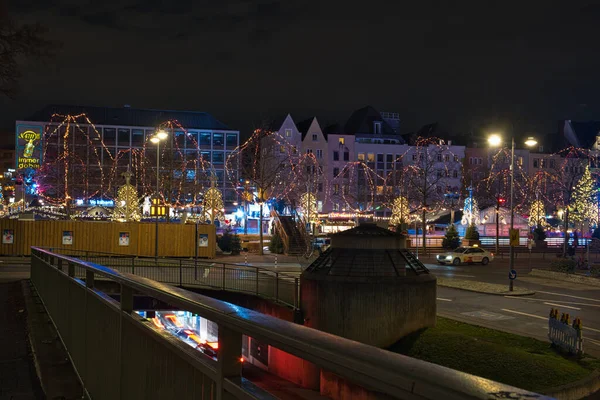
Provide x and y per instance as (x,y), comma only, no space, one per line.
(511,359)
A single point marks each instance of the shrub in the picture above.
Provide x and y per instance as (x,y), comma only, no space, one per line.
(451,239)
(472,233)
(276,244)
(236,244)
(230,243)
(563,265)
(539,233)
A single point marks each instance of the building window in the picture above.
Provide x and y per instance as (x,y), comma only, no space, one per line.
(336,188)
(294,150)
(551,163)
(414,157)
(282,149)
(218,140)
(308,151)
(371,157)
(536,162)
(288,133)
(336,207)
(319,153)
(455,174)
(205,139)
(231,140)
(377,127)
(361,157)
(346,189)
(439,157)
(336,172)
(455,158)
(320,187)
(346,156)
(336,156)
(341,140)
(314,136)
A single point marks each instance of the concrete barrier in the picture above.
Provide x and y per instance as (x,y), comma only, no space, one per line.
(577,390)
(561,276)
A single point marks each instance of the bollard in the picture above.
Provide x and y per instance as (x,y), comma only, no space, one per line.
(246,258)
(275,260)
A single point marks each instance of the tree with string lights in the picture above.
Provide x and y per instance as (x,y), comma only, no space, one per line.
(127,205)
(263,160)
(400,212)
(212,205)
(428,175)
(584,200)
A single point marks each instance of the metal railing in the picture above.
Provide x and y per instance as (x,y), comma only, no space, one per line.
(204,274)
(120,355)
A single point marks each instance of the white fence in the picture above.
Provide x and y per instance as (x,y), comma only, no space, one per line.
(565,336)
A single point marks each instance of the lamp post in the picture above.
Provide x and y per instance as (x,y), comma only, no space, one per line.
(156,139)
(495,141)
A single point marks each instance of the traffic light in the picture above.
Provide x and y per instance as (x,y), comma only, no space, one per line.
(501,200)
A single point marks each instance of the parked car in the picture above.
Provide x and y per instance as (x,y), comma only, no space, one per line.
(321,243)
(466,254)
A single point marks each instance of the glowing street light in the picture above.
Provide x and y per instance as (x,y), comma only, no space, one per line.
(495,140)
(156,139)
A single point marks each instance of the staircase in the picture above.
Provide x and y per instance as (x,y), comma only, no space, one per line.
(294,242)
(413,262)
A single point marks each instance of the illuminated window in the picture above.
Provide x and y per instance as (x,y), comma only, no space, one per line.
(282,149)
(371,157)
(288,133)
(361,156)
(341,140)
(336,188)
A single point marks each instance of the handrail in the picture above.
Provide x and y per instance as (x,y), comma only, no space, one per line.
(375,369)
(271,284)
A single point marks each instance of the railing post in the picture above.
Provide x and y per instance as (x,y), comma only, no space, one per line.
(133,265)
(71,270)
(229,364)
(126,299)
(223,276)
(296,294)
(89,278)
(256,271)
(180,274)
(276,286)
(59,264)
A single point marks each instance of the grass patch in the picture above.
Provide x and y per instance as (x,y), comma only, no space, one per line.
(511,359)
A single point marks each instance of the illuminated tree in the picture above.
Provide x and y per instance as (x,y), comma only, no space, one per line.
(127,207)
(213,207)
(470,211)
(584,201)
(308,203)
(400,211)
(537,213)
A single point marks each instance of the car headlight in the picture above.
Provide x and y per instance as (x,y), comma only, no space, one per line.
(448,257)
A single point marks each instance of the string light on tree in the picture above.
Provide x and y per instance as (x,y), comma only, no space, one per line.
(127,207)
(470,211)
(308,202)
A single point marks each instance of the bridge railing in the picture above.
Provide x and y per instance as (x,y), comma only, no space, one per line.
(263,282)
(120,355)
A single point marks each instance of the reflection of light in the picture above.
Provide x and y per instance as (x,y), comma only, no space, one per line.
(239,213)
(11,199)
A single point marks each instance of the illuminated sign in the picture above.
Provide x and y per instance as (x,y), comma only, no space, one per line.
(29,143)
(102,203)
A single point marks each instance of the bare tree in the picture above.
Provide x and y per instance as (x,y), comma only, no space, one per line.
(430,166)
(18,42)
(262,161)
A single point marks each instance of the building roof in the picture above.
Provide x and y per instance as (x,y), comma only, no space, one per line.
(127,116)
(585,133)
(361,123)
(358,263)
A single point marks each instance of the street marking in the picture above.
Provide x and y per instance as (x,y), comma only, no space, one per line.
(439,298)
(591,329)
(597,343)
(566,302)
(453,274)
(568,295)
(490,316)
(562,305)
(522,313)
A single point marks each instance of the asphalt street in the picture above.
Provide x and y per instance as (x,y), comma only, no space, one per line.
(527,315)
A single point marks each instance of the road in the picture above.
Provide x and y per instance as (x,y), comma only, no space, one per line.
(522,315)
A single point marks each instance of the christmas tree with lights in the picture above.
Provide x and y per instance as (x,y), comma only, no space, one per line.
(308,202)
(584,201)
(213,206)
(400,211)
(127,207)
(537,214)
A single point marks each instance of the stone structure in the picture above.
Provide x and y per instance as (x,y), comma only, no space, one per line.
(367,288)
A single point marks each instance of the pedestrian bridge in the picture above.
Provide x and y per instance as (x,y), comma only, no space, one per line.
(120,355)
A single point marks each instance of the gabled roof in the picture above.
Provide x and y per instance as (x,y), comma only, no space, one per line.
(361,122)
(303,127)
(276,123)
(128,116)
(585,133)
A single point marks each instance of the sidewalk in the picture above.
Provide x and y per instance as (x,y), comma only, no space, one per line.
(18,377)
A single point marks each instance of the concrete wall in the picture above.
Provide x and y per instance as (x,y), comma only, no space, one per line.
(375,311)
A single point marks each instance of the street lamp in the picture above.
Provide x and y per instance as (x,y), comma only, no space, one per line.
(156,139)
(495,140)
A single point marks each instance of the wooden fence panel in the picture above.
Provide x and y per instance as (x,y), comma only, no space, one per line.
(175,240)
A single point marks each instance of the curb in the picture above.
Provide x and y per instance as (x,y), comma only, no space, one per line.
(511,294)
(561,276)
(578,389)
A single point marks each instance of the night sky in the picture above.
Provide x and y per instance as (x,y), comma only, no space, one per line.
(469,67)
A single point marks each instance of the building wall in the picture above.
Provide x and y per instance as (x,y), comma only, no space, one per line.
(315,143)
(98,155)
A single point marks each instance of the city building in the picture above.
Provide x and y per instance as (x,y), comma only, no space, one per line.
(78,154)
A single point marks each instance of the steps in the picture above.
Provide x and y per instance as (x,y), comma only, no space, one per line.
(413,262)
(294,241)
